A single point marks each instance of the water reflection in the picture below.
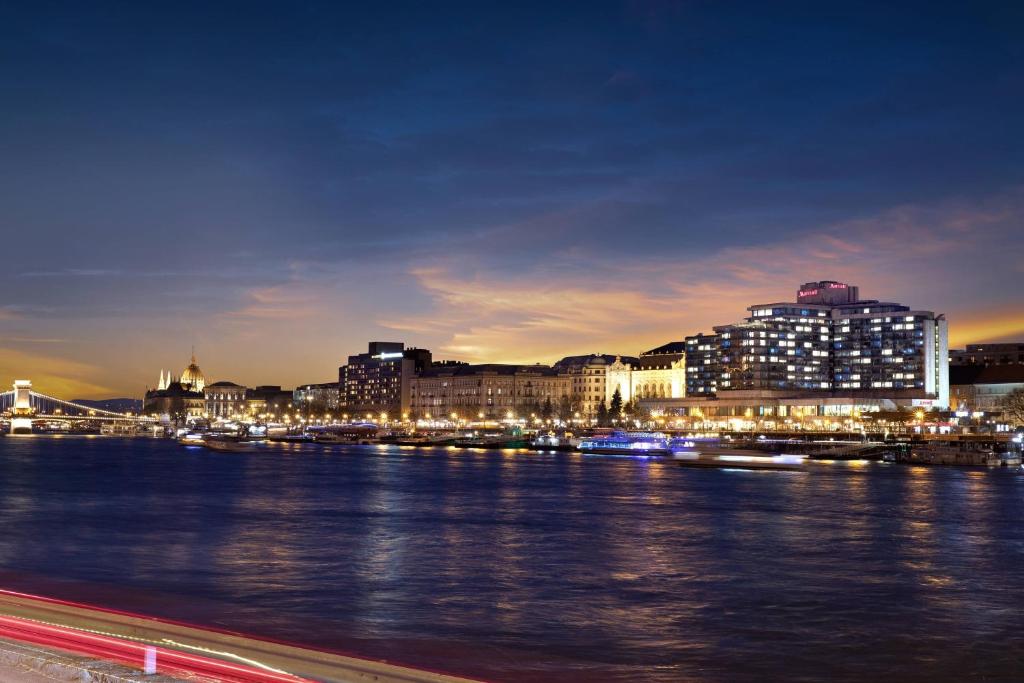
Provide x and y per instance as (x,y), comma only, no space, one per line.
(512,565)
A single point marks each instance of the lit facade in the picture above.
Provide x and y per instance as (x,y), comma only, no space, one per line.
(178,398)
(226,400)
(491,391)
(589,380)
(658,373)
(324,395)
(379,381)
(828,343)
(984,388)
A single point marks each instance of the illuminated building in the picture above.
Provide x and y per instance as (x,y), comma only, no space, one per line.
(324,396)
(192,377)
(174,402)
(493,391)
(178,398)
(378,381)
(829,348)
(269,399)
(983,387)
(589,376)
(658,373)
(702,366)
(225,400)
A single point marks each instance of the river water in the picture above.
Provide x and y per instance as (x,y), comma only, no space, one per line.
(515,566)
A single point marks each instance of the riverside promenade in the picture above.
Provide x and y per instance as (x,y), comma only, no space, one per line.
(46,639)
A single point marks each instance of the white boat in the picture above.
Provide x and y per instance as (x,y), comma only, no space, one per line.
(626,443)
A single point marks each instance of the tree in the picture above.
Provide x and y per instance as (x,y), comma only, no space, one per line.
(602,415)
(1013,407)
(547,410)
(565,409)
(616,406)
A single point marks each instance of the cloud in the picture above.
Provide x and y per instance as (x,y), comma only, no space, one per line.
(53,375)
(73,272)
(595,300)
(987,326)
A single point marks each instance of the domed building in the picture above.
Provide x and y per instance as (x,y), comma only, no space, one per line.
(192,377)
(178,398)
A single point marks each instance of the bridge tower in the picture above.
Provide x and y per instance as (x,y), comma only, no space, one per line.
(21,416)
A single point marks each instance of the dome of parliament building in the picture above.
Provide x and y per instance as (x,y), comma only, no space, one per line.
(192,377)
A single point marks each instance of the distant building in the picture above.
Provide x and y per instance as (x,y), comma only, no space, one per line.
(589,375)
(270,401)
(829,348)
(175,402)
(191,378)
(989,354)
(983,387)
(703,368)
(325,395)
(658,373)
(489,391)
(378,381)
(226,400)
(178,398)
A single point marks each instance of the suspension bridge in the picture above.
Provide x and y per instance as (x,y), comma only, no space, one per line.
(23,408)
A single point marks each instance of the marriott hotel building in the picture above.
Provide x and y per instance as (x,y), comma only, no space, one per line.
(830,352)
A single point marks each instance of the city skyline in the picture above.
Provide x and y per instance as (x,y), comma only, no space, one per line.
(279,189)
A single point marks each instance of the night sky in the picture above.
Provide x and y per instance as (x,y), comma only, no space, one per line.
(277,183)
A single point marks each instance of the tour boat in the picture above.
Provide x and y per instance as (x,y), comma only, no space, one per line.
(626,443)
(741,460)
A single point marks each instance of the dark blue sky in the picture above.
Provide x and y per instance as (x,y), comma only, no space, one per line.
(278,182)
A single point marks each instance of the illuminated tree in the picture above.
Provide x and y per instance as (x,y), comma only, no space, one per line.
(1013,407)
(547,410)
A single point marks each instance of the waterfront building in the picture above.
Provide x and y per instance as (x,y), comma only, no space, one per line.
(829,348)
(1011,353)
(379,380)
(976,388)
(174,402)
(490,391)
(270,401)
(323,396)
(589,379)
(658,373)
(702,368)
(226,400)
(178,398)
(191,377)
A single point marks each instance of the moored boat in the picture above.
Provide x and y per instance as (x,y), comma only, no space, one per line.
(227,444)
(553,442)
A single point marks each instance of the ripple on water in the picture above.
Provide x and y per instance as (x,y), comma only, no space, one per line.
(520,567)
